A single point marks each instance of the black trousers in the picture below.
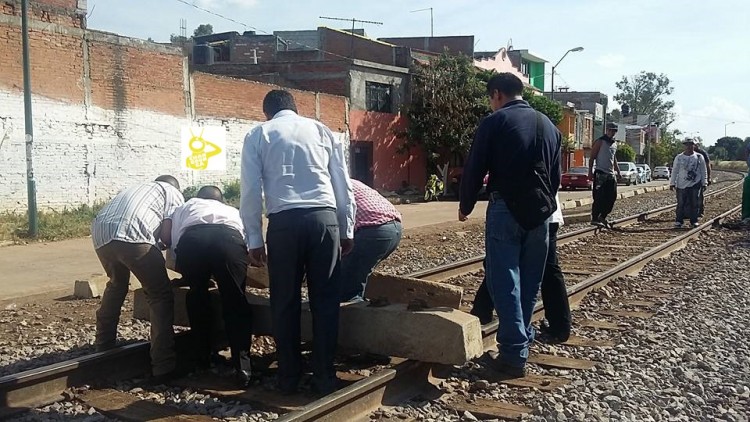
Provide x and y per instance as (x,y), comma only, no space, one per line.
(219,251)
(554,294)
(605,194)
(304,242)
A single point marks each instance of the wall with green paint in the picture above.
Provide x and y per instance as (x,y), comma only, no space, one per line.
(536,75)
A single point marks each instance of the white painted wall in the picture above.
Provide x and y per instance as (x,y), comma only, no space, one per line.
(84,156)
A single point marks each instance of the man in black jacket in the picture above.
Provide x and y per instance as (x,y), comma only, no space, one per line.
(505,146)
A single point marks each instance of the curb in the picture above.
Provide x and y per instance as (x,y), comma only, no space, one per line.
(575,203)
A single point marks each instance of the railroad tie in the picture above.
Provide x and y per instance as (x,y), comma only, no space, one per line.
(128,407)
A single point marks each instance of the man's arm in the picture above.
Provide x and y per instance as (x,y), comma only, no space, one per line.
(594,153)
(251,198)
(708,166)
(673,175)
(342,187)
(703,169)
(616,165)
(475,168)
(556,175)
(165,232)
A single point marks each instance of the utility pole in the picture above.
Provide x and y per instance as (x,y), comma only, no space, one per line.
(354,21)
(725,128)
(432,27)
(29,123)
(573,50)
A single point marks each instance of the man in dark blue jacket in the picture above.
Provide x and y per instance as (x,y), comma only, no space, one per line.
(504,145)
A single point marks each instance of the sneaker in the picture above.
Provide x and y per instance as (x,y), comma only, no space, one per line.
(695,225)
(677,225)
(746,222)
(597,223)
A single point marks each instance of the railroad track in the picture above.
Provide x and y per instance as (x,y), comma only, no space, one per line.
(404,379)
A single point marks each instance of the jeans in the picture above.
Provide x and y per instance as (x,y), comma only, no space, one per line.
(688,205)
(371,245)
(515,265)
(604,195)
(746,198)
(554,293)
(304,242)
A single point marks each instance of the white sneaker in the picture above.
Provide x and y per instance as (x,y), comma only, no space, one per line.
(677,225)
(695,225)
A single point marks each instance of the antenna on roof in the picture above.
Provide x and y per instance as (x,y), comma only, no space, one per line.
(354,21)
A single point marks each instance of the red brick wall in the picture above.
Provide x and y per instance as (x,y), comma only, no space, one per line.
(56,63)
(62,12)
(219,96)
(364,48)
(389,166)
(124,76)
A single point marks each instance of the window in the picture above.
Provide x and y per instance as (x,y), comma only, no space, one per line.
(378,97)
(525,68)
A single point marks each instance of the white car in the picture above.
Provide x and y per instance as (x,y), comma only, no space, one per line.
(661,172)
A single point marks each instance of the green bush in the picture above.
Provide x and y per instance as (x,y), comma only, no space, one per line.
(190,192)
(625,152)
(53,225)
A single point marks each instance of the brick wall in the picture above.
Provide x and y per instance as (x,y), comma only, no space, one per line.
(108,112)
(62,12)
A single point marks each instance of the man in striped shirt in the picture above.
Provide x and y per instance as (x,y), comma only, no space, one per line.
(125,235)
(377,233)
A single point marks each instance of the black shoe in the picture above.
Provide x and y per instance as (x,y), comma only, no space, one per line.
(244,378)
(505,369)
(484,317)
(163,379)
(551,336)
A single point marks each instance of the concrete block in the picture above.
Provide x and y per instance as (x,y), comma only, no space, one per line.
(95,285)
(256,277)
(438,335)
(442,335)
(399,289)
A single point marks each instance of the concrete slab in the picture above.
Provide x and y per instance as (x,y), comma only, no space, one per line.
(437,335)
(398,289)
(94,286)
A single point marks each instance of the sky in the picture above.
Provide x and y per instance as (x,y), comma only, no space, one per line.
(701,46)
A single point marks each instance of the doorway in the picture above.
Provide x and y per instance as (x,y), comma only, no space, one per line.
(361,154)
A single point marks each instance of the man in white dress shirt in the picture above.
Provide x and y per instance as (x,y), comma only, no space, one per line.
(208,240)
(300,167)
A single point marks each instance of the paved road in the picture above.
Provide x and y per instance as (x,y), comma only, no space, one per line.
(45,267)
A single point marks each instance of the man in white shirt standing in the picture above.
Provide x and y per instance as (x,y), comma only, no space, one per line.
(208,240)
(125,235)
(300,167)
(689,176)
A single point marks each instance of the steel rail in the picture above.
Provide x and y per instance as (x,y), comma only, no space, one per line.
(43,385)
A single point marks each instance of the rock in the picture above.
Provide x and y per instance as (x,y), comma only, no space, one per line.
(467,416)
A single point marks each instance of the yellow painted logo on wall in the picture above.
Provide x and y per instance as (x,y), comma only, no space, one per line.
(204,148)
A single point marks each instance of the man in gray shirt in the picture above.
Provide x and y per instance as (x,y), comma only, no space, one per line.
(299,165)
(604,180)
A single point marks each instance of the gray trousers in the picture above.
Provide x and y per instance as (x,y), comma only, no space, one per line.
(304,243)
(688,204)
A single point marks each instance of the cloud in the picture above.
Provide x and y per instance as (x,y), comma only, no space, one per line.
(611,60)
(226,4)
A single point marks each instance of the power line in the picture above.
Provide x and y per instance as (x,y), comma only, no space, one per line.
(216,14)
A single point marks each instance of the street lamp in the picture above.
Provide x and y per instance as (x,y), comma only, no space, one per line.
(574,50)
(725,128)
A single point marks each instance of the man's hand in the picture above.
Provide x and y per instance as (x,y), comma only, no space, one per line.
(671,187)
(462,216)
(258,257)
(346,246)
(591,173)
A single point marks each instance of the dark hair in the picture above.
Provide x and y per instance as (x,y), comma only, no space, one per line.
(169,179)
(210,192)
(505,83)
(277,100)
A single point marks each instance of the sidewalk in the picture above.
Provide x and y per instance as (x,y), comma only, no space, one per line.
(55,266)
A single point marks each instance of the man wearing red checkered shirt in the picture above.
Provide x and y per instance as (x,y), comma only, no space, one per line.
(377,233)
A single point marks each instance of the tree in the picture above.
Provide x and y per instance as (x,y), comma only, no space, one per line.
(614,116)
(203,29)
(625,153)
(544,105)
(732,145)
(663,153)
(448,100)
(718,153)
(177,39)
(648,93)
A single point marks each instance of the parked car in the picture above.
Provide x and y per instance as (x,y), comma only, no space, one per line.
(647,171)
(661,172)
(576,178)
(628,173)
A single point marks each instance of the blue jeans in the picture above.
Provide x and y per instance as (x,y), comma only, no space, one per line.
(371,245)
(515,266)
